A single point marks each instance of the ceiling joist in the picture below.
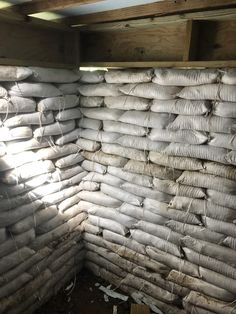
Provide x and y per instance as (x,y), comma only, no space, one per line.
(49,5)
(161,8)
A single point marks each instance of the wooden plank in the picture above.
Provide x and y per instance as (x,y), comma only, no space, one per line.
(163,43)
(7,61)
(16,18)
(161,8)
(139,309)
(38,44)
(215,15)
(217,40)
(191,41)
(49,5)
(162,64)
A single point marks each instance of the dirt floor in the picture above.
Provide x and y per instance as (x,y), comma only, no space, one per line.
(85,298)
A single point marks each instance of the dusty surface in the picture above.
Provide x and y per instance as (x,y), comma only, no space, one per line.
(85,298)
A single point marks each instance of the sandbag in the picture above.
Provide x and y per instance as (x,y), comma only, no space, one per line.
(162,209)
(124,128)
(182,163)
(221,253)
(145,192)
(126,152)
(127,103)
(182,77)
(108,224)
(91,76)
(99,136)
(179,136)
(147,239)
(203,207)
(69,160)
(58,197)
(88,145)
(121,195)
(57,128)
(68,88)
(93,124)
(230,242)
(228,76)
(231,157)
(16,147)
(12,161)
(209,263)
(162,232)
(14,73)
(68,114)
(3,92)
(27,171)
(99,198)
(223,227)
(93,166)
(27,89)
(104,159)
(197,232)
(22,132)
(101,89)
(209,91)
(104,178)
(224,109)
(53,75)
(222,140)
(141,214)
(33,220)
(66,173)
(207,181)
(195,151)
(174,188)
(68,137)
(146,119)
(209,124)
(150,90)
(182,106)
(209,303)
(58,103)
(128,76)
(150,169)
(37,118)
(56,151)
(131,177)
(91,101)
(141,143)
(200,286)
(17,104)
(102,113)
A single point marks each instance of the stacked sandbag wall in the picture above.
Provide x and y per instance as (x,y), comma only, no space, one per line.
(40,176)
(160,193)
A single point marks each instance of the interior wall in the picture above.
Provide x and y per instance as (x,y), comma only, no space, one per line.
(141,163)
(161,146)
(40,173)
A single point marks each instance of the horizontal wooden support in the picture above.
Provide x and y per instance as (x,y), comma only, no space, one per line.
(49,5)
(213,15)
(162,64)
(160,8)
(9,16)
(17,62)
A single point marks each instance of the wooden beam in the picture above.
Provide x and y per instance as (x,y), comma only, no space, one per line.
(13,17)
(161,8)
(49,5)
(213,15)
(191,41)
(21,62)
(162,64)
(139,309)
